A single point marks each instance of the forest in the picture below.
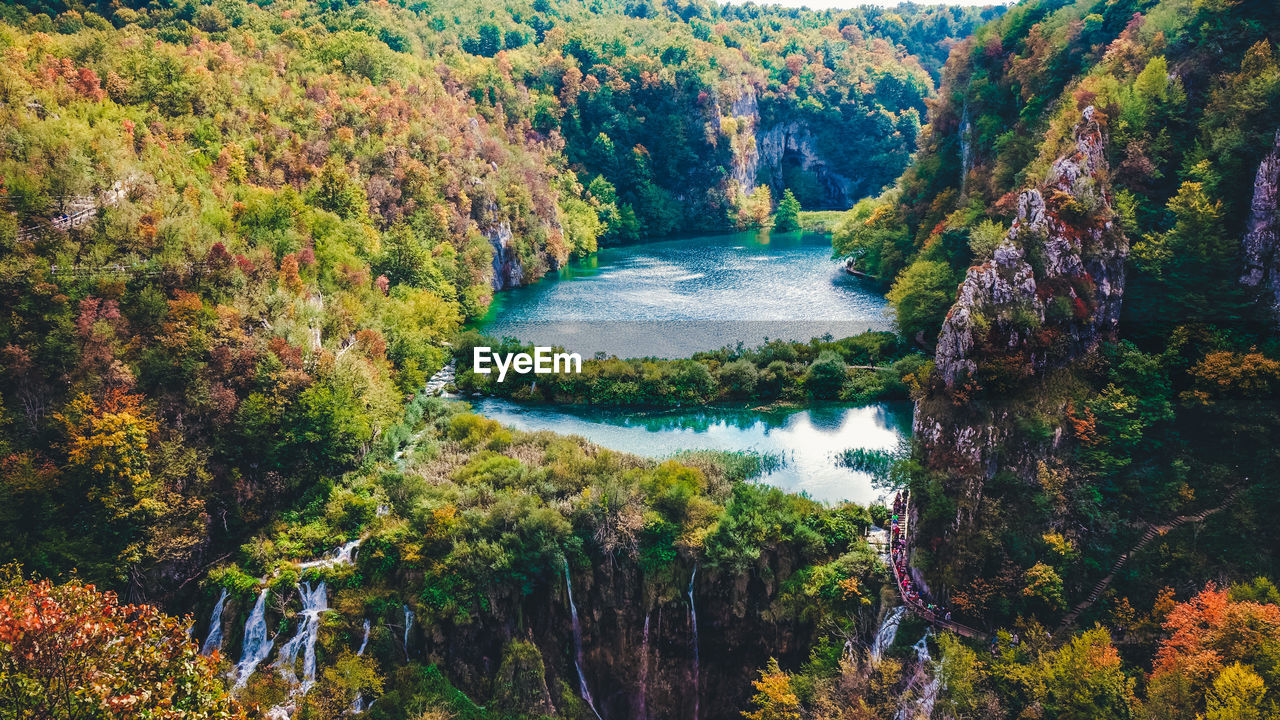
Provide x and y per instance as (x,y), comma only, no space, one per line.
(239,239)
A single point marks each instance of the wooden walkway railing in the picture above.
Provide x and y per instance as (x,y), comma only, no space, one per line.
(919,608)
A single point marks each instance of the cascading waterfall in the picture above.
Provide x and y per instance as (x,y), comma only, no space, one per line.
(693,622)
(256,646)
(408,623)
(314,602)
(344,555)
(214,639)
(887,632)
(929,689)
(365,641)
(359,705)
(643,712)
(577,645)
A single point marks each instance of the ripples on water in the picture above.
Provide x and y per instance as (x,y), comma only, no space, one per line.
(676,297)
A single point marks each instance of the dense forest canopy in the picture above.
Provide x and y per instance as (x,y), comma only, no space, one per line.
(291,207)
(239,238)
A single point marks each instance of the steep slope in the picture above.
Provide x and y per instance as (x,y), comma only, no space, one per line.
(1092,371)
(1049,295)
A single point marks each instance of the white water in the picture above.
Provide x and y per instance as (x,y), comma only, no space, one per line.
(408,623)
(365,641)
(887,632)
(314,602)
(342,556)
(256,646)
(693,621)
(359,705)
(577,645)
(922,708)
(643,713)
(214,639)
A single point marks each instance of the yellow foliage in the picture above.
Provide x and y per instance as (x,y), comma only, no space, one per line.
(775,699)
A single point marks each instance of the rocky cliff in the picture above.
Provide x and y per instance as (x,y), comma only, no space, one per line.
(638,640)
(642,655)
(1050,293)
(1262,237)
(760,155)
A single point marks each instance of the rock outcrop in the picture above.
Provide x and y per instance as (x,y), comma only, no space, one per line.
(1050,293)
(794,142)
(508,269)
(1262,236)
(1054,285)
(760,154)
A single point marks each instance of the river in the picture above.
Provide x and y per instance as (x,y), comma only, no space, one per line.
(673,298)
(807,440)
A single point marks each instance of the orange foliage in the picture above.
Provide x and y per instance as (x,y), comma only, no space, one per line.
(1208,630)
(68,651)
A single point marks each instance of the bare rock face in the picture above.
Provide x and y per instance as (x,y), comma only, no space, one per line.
(760,153)
(508,270)
(1054,286)
(795,142)
(1262,238)
(1050,293)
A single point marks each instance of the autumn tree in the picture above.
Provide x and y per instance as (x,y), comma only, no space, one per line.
(69,652)
(775,698)
(1218,650)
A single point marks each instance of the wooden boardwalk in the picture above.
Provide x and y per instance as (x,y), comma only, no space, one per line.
(916,606)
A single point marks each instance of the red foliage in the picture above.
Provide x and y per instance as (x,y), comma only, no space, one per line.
(1208,630)
(68,651)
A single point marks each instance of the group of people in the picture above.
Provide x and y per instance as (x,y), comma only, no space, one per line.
(898,556)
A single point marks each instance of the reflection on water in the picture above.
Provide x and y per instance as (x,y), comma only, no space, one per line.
(807,440)
(676,297)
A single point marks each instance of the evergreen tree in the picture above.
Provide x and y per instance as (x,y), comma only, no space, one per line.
(788,216)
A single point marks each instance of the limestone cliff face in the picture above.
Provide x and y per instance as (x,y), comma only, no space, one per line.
(759,154)
(795,142)
(1262,237)
(1050,293)
(508,269)
(638,654)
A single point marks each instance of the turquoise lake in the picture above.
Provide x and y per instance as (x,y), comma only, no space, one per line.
(806,439)
(676,297)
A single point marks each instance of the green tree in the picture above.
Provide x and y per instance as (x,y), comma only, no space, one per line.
(337,192)
(921,295)
(827,375)
(1238,693)
(1085,680)
(788,216)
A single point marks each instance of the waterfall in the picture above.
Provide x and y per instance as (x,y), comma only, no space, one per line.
(408,623)
(256,646)
(693,622)
(577,645)
(214,640)
(931,685)
(887,632)
(966,145)
(643,713)
(364,642)
(359,705)
(314,602)
(344,555)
